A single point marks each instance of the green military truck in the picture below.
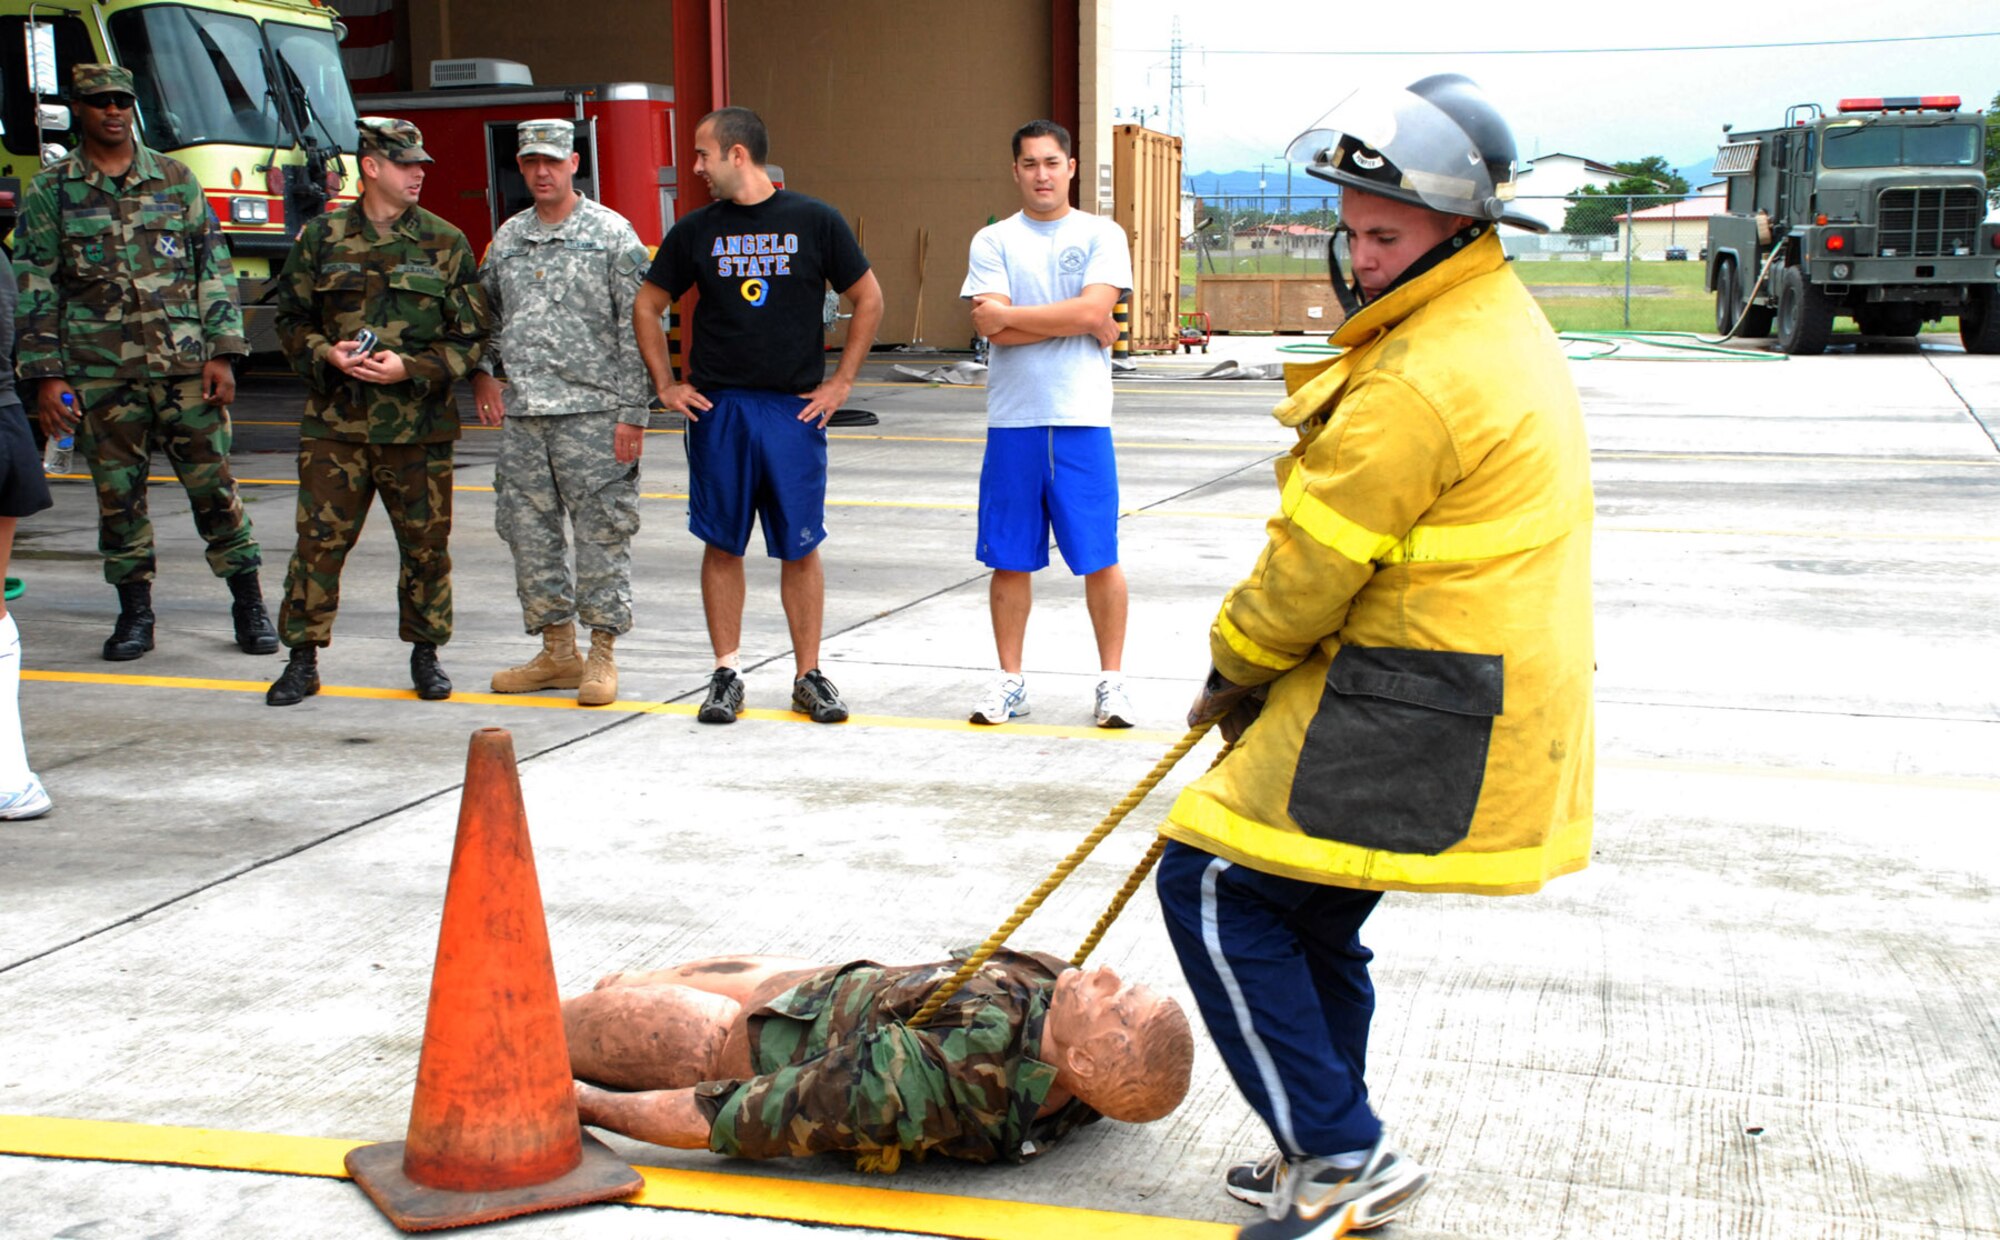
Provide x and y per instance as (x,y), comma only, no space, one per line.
(1877,212)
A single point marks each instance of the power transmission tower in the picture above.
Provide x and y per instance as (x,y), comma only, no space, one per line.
(1176,118)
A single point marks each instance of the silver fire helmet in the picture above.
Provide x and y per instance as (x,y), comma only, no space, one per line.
(1438,143)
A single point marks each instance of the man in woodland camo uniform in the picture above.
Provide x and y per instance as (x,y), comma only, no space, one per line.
(562,277)
(128,310)
(381,420)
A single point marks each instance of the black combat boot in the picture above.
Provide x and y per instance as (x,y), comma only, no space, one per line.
(132,636)
(299,680)
(431,682)
(253,624)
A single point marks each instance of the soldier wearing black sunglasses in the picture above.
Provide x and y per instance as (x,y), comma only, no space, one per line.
(128,324)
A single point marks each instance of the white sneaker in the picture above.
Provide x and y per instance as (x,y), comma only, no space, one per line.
(1114,709)
(1004,700)
(30,802)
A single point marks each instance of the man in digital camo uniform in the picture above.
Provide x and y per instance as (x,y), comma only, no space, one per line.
(381,419)
(128,309)
(562,277)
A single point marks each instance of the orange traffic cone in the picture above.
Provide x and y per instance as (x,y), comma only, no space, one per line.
(493,1126)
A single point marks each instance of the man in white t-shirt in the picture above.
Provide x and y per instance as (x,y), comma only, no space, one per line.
(1043,283)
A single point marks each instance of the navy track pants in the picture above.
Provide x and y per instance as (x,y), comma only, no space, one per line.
(1279,972)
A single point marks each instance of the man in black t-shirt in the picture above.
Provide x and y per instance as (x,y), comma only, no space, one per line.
(757,397)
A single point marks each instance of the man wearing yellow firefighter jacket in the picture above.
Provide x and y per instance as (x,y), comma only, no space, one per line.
(1407,669)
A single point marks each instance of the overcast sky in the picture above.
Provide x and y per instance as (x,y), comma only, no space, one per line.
(1257,72)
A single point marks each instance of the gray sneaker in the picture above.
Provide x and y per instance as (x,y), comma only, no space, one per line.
(725,697)
(1311,1197)
(813,695)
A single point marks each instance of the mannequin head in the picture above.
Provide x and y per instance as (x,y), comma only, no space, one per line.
(1124,1050)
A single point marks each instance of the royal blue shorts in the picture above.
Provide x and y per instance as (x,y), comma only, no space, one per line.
(1039,478)
(750,457)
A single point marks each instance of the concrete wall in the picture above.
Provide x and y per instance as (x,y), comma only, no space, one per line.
(898,114)
(570,47)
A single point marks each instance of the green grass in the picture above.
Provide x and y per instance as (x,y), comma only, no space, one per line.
(1649,314)
(1687,308)
(1681,277)
(1253,263)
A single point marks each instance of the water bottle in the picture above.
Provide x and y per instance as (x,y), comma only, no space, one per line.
(56,457)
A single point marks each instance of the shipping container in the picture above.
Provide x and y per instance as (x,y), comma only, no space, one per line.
(1146,203)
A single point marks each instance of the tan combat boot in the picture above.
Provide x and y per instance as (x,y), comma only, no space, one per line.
(558,666)
(600,671)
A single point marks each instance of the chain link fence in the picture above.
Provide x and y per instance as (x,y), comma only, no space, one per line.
(1608,261)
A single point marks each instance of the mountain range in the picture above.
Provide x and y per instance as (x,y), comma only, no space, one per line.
(1243,184)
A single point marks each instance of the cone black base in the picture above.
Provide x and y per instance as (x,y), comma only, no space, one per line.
(411,1206)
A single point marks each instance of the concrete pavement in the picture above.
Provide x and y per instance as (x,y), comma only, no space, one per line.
(1767,1009)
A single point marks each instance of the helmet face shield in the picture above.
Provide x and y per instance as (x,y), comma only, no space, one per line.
(1312,146)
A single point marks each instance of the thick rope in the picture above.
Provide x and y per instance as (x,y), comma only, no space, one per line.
(1118,902)
(1131,887)
(1076,857)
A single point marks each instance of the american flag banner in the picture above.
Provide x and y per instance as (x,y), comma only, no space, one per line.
(369,53)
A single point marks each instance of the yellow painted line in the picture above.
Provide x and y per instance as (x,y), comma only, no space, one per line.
(1753,458)
(1121,389)
(888,1209)
(1213,515)
(532,701)
(927,505)
(707,1192)
(1151,445)
(1198,446)
(921,505)
(37,1136)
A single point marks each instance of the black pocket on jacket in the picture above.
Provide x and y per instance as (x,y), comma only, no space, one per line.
(1396,753)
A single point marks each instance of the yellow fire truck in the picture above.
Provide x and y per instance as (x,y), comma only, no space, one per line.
(249,94)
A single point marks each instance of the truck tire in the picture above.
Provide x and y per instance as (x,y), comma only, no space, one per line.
(1979,321)
(1805,319)
(1893,320)
(1729,307)
(1728,303)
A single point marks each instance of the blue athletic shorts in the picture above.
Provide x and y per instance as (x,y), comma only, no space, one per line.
(1038,478)
(750,457)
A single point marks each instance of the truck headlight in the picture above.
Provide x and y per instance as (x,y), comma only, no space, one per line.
(249,211)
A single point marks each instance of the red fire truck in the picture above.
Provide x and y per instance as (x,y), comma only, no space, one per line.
(624,135)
